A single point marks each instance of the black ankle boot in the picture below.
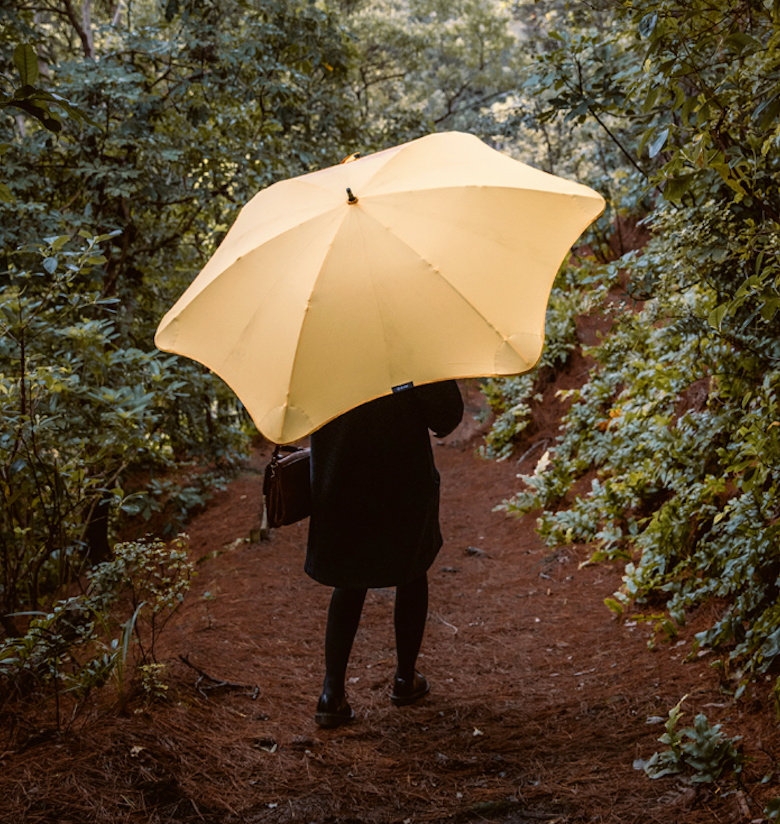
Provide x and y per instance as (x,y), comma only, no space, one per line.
(408,690)
(333,711)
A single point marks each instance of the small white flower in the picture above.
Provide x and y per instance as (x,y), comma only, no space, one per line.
(543,463)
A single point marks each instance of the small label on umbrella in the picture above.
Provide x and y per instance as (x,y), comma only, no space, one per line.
(402,386)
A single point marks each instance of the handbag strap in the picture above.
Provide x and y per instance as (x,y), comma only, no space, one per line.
(277,454)
(279,448)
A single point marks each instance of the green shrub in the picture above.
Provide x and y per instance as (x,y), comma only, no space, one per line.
(80,412)
(679,415)
(509,398)
(105,635)
(701,752)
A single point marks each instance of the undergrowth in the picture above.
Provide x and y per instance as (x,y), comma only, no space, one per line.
(678,416)
(104,636)
(701,753)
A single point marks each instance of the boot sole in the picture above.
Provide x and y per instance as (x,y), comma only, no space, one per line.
(329,720)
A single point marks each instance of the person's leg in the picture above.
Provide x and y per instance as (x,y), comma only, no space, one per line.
(411,612)
(343,619)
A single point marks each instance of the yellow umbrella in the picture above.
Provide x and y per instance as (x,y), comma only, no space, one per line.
(427,261)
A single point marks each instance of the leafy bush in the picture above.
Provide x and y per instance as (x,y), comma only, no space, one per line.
(82,643)
(705,756)
(79,412)
(509,397)
(679,415)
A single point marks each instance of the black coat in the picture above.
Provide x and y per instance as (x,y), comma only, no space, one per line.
(375,489)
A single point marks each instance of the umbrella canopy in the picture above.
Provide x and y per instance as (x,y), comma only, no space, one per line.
(428,261)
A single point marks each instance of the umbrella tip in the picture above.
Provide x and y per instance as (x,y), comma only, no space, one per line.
(350,197)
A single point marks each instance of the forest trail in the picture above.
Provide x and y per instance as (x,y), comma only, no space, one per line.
(539,700)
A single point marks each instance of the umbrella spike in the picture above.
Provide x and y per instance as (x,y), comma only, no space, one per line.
(350,197)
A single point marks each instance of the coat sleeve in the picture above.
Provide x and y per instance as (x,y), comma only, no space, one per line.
(442,406)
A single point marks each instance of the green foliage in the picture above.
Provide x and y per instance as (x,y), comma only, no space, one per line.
(669,108)
(508,398)
(704,757)
(679,414)
(78,408)
(152,682)
(152,577)
(82,644)
(430,65)
(36,102)
(193,107)
(26,96)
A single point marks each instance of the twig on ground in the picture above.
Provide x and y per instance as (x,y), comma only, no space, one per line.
(531,448)
(446,623)
(217,683)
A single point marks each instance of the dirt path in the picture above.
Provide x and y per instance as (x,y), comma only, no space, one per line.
(538,708)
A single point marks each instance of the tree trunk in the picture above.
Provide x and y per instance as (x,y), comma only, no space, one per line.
(86,17)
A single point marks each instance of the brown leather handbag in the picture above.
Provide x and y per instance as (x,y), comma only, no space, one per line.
(287,486)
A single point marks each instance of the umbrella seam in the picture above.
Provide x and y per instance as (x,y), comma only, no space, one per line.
(431,267)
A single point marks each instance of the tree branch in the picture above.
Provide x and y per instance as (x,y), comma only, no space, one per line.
(84,28)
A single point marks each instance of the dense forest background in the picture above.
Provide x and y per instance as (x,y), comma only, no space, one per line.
(131,133)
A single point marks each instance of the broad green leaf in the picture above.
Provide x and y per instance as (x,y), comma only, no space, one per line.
(650,99)
(715,317)
(658,144)
(740,41)
(769,309)
(645,139)
(26,62)
(37,107)
(770,113)
(676,187)
(687,108)
(679,97)
(647,24)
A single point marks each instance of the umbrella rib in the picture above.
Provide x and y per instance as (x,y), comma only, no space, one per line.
(442,278)
(462,296)
(504,338)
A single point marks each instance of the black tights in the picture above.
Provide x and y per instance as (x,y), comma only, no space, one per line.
(411,610)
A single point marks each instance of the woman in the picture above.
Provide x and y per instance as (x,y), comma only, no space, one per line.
(375,523)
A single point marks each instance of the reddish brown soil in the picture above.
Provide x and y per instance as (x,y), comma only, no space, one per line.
(539,704)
